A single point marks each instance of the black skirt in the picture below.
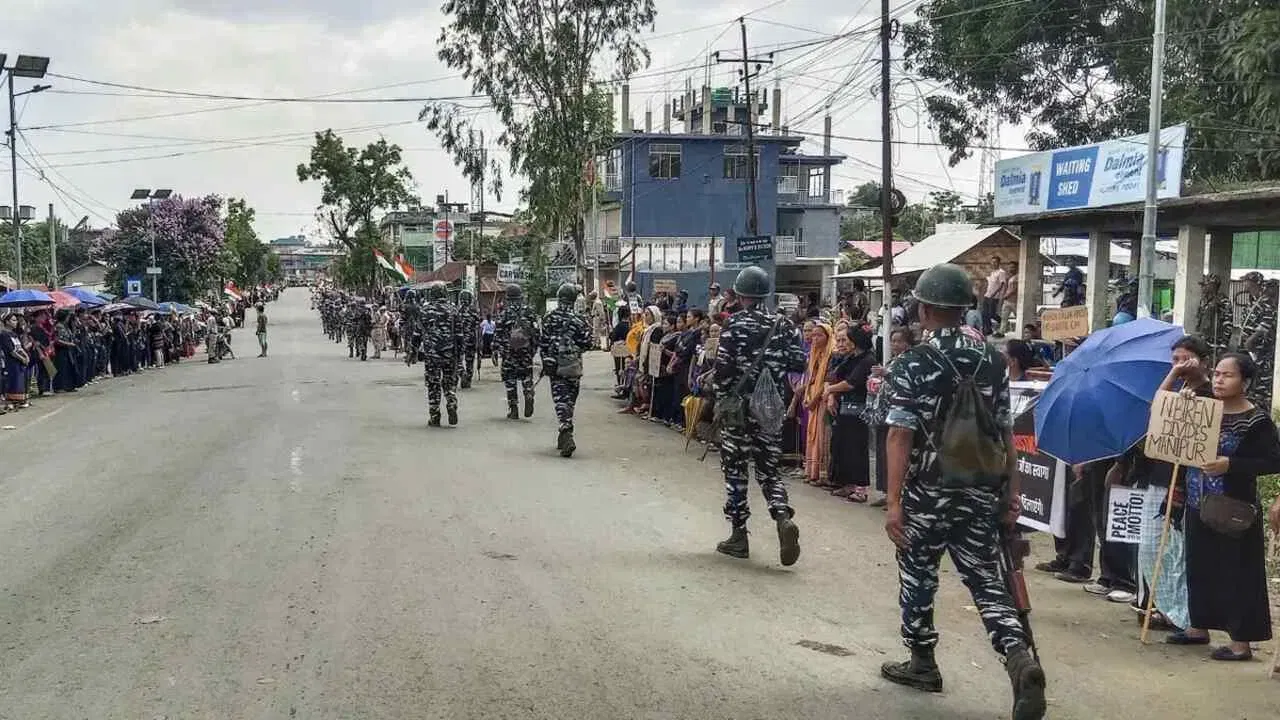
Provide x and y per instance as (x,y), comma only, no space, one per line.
(850,452)
(1227,580)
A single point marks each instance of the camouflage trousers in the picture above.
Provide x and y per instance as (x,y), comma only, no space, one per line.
(1260,388)
(517,370)
(966,525)
(564,393)
(740,448)
(357,344)
(514,385)
(440,378)
(467,366)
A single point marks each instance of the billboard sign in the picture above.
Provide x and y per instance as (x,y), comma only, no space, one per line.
(1090,176)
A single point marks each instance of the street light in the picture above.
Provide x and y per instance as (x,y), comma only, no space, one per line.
(149,196)
(26,66)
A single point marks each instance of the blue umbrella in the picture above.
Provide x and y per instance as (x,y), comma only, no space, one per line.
(86,297)
(1097,404)
(25,298)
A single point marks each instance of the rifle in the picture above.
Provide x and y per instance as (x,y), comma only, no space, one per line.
(1014,549)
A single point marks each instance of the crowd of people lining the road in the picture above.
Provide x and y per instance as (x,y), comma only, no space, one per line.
(51,351)
(834,437)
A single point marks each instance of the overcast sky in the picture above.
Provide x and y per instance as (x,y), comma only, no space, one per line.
(94,144)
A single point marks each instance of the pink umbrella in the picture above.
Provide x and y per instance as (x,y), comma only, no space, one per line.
(63,300)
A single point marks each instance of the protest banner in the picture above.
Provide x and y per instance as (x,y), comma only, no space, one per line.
(1183,430)
(1125,510)
(665,285)
(1042,479)
(1064,323)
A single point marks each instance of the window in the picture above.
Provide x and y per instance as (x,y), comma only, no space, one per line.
(788,179)
(664,161)
(735,163)
(612,169)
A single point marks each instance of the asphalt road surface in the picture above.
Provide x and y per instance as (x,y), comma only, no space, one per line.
(284,537)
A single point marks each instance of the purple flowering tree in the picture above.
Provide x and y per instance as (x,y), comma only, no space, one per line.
(190,246)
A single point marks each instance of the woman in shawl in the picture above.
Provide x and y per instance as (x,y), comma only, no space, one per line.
(846,401)
(817,432)
(16,360)
(793,440)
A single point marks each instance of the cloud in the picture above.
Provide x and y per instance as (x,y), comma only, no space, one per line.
(95,144)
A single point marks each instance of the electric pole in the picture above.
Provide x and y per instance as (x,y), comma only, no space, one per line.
(753,221)
(53,251)
(886,179)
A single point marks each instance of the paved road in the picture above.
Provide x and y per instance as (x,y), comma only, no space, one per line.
(285,538)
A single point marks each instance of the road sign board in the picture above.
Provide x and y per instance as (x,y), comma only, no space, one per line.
(153,270)
(133,286)
(443,229)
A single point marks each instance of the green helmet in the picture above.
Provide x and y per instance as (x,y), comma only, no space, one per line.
(753,283)
(945,285)
(567,293)
(514,292)
(465,297)
(436,291)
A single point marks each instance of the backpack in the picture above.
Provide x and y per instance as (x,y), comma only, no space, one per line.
(765,403)
(970,443)
(521,336)
(568,357)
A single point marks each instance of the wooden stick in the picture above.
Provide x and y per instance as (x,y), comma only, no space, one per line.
(1275,653)
(1164,539)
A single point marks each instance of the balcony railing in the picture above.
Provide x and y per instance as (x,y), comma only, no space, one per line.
(612,182)
(802,197)
(786,248)
(605,249)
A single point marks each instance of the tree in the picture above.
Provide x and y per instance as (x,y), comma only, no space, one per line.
(1079,72)
(535,60)
(248,255)
(355,184)
(944,205)
(863,222)
(189,240)
(359,269)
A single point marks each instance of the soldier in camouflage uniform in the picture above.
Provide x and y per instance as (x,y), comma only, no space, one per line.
(411,327)
(929,514)
(1258,335)
(516,336)
(741,342)
(359,327)
(565,336)
(441,340)
(1215,317)
(469,318)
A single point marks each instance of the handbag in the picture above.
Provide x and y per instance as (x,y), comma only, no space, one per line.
(847,407)
(1227,515)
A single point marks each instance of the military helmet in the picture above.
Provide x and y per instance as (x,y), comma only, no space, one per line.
(753,283)
(945,285)
(567,293)
(465,297)
(435,291)
(514,292)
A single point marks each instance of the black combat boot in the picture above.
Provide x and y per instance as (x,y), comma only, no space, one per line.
(351,351)
(736,545)
(1027,678)
(513,412)
(434,421)
(920,672)
(453,416)
(565,444)
(528,406)
(788,541)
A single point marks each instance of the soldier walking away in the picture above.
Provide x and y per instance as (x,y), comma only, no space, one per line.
(952,485)
(262,330)
(1215,317)
(565,336)
(753,344)
(440,344)
(469,319)
(1258,335)
(517,339)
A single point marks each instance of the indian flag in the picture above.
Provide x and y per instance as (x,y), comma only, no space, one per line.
(382,260)
(232,291)
(404,268)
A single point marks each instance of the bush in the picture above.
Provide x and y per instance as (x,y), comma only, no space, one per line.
(1268,489)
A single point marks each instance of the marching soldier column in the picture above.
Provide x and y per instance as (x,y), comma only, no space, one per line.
(565,336)
(517,339)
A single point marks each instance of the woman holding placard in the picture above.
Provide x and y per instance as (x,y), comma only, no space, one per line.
(1226,554)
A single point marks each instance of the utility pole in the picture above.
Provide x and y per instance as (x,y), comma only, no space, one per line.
(886,180)
(13,177)
(53,251)
(1147,270)
(753,220)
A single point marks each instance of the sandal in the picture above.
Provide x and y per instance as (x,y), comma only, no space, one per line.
(859,495)
(1182,638)
(1226,653)
(843,491)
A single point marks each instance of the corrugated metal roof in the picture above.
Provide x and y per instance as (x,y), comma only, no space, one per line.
(874,248)
(937,248)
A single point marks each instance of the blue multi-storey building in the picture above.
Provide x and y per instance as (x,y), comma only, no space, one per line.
(672,204)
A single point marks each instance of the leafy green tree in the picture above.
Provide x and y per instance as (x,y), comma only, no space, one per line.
(355,184)
(1079,72)
(536,60)
(862,220)
(248,254)
(275,273)
(189,236)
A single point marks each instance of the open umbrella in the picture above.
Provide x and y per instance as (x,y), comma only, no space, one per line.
(1097,404)
(63,300)
(140,302)
(25,298)
(119,307)
(86,297)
